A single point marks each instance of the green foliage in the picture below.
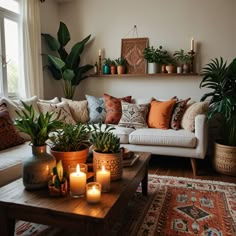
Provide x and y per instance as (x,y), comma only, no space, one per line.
(103,140)
(37,127)
(182,57)
(221,78)
(157,55)
(66,66)
(107,61)
(121,61)
(70,138)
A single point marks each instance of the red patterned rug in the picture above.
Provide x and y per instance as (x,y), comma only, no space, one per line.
(174,207)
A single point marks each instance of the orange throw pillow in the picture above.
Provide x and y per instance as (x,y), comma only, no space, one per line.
(113,108)
(160,114)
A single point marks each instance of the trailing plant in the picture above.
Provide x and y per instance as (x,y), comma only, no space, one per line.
(221,78)
(121,61)
(103,140)
(70,138)
(182,57)
(37,127)
(66,66)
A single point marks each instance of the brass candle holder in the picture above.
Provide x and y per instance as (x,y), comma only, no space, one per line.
(191,53)
(99,64)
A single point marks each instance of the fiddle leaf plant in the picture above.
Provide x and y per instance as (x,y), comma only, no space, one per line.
(66,66)
(37,127)
(221,79)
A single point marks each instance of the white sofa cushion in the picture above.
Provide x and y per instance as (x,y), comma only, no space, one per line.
(152,136)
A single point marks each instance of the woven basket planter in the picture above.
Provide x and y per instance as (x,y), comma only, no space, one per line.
(224,160)
(111,161)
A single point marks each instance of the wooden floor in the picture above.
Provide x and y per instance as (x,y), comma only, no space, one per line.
(181,167)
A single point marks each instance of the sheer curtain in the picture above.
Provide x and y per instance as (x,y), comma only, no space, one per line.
(33,76)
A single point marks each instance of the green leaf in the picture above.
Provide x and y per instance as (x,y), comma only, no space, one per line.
(63,34)
(54,71)
(57,62)
(68,74)
(52,43)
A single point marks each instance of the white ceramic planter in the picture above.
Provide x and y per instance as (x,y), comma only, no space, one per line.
(152,68)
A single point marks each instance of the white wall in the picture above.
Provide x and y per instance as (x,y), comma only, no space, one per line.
(165,22)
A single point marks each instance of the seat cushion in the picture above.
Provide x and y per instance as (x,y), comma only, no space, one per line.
(151,136)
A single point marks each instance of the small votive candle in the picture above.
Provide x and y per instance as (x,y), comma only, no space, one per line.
(93,192)
(77,183)
(103,177)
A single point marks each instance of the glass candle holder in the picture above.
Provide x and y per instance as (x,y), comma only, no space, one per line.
(93,192)
(103,177)
(78,180)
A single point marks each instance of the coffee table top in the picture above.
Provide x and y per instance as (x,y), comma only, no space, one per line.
(30,205)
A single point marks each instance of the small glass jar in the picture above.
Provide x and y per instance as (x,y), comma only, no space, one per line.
(93,192)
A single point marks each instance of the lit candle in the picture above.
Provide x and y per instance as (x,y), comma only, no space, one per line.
(192,44)
(103,177)
(93,193)
(77,182)
(99,52)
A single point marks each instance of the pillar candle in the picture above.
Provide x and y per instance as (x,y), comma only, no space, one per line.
(93,192)
(77,182)
(192,44)
(103,177)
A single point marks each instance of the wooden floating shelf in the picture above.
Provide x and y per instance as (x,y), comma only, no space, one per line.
(147,75)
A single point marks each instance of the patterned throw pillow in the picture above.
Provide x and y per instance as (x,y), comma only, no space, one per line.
(113,108)
(9,137)
(61,111)
(133,115)
(160,114)
(96,108)
(78,109)
(188,120)
(177,113)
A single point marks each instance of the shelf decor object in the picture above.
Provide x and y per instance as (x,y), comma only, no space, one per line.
(191,53)
(132,50)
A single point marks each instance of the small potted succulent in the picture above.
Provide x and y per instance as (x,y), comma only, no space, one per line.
(106,66)
(70,144)
(106,150)
(183,58)
(58,185)
(113,67)
(121,63)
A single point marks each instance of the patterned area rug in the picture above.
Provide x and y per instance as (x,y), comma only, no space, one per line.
(174,206)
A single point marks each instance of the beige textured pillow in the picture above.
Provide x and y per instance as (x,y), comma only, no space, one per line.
(78,109)
(54,100)
(133,115)
(61,111)
(197,108)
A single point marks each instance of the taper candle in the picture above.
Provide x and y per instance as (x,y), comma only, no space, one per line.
(192,44)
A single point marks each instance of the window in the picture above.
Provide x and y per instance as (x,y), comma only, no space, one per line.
(10,49)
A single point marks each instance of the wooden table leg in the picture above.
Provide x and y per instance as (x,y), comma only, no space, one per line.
(145,184)
(7,224)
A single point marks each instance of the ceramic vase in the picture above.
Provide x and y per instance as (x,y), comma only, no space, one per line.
(37,168)
(111,161)
(152,68)
(106,69)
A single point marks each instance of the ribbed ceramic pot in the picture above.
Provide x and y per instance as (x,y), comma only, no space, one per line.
(111,161)
(37,169)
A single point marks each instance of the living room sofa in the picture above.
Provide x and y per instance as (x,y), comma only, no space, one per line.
(180,142)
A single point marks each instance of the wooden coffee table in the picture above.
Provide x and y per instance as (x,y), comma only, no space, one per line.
(16,203)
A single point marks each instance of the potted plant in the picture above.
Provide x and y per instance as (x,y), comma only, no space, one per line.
(58,185)
(106,66)
(221,78)
(113,67)
(66,66)
(150,54)
(183,58)
(70,145)
(171,65)
(38,167)
(106,150)
(121,63)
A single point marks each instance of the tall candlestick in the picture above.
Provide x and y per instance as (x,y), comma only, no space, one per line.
(103,177)
(192,44)
(77,183)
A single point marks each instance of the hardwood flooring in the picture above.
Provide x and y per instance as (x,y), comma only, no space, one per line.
(181,167)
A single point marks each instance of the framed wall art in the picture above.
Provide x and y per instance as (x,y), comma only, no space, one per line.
(132,50)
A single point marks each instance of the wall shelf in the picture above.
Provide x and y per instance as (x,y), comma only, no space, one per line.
(146,75)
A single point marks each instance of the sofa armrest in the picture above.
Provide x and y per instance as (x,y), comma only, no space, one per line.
(201,133)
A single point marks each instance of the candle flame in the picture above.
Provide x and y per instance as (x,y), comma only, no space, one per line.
(93,188)
(103,168)
(77,169)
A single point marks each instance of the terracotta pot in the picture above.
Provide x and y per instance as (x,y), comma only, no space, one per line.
(120,70)
(71,159)
(171,69)
(111,161)
(113,70)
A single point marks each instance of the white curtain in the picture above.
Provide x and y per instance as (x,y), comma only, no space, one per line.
(32,59)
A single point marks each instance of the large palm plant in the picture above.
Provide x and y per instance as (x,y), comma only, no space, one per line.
(221,78)
(66,66)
